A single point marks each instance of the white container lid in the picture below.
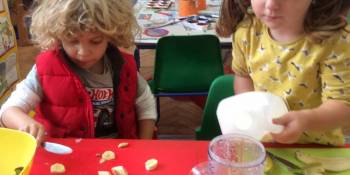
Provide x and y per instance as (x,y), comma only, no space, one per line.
(251,113)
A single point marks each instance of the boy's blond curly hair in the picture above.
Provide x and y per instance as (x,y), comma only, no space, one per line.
(55,19)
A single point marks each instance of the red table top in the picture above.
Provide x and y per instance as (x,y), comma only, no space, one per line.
(174,156)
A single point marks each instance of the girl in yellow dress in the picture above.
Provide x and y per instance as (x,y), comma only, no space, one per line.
(298,50)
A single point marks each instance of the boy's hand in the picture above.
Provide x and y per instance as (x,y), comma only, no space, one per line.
(15,118)
(33,128)
(294,123)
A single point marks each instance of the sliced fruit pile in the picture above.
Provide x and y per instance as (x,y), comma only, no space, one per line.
(268,164)
(323,164)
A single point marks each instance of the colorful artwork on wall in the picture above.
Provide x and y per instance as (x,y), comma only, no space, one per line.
(9,73)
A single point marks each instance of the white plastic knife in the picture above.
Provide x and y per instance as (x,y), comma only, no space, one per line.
(57,148)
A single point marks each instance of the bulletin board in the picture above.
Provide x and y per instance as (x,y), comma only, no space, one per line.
(9,72)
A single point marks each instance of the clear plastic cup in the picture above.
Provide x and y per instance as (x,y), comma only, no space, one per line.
(233,154)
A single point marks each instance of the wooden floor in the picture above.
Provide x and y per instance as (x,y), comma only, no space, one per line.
(178,118)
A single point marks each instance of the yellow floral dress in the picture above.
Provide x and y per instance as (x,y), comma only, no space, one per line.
(303,73)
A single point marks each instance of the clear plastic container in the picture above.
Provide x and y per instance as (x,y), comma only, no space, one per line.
(233,154)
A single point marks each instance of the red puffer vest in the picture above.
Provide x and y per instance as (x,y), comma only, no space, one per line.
(66,108)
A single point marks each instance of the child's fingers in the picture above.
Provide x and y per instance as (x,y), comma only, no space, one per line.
(289,135)
(24,129)
(33,130)
(281,120)
(284,137)
(40,136)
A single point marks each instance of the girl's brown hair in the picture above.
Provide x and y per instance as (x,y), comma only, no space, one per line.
(54,19)
(323,18)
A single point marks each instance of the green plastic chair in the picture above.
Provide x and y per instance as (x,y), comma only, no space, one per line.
(186,65)
(221,88)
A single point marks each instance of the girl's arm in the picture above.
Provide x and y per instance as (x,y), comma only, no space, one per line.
(145,109)
(243,84)
(330,115)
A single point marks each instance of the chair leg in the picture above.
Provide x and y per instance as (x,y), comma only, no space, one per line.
(137,57)
(158,108)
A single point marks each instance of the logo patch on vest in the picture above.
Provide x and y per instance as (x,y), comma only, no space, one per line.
(103,102)
(100,96)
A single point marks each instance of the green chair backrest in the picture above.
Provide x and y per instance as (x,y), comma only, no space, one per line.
(187,63)
(221,88)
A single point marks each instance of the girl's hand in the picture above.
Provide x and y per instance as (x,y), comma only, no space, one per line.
(294,123)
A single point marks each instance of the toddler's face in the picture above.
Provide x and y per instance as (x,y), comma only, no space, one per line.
(281,14)
(85,49)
